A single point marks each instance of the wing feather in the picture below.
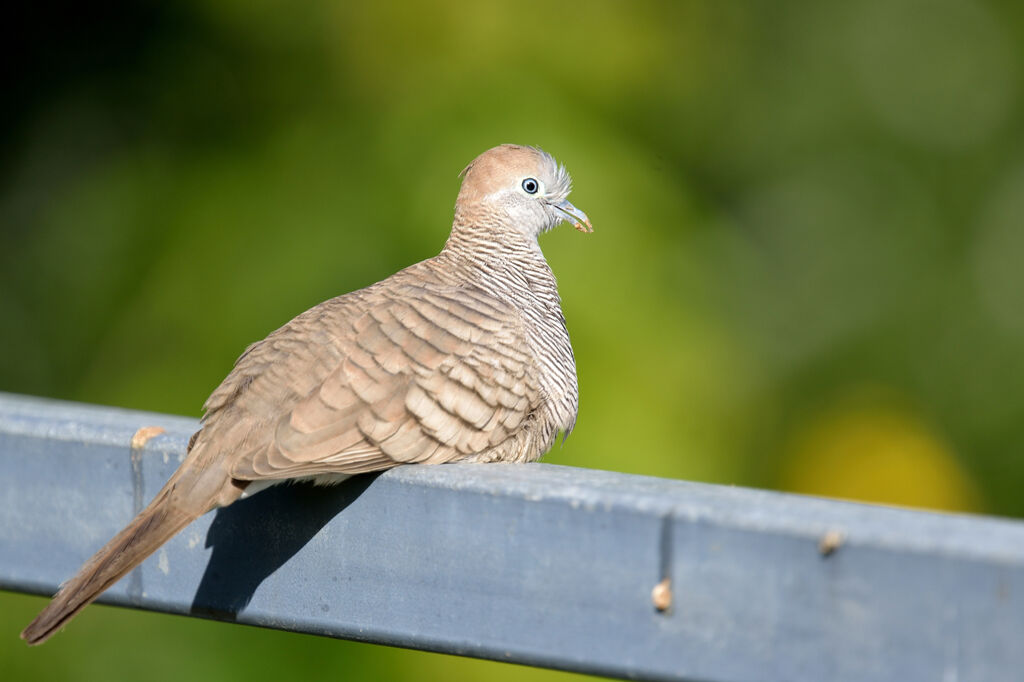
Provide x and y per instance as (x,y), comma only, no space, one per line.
(424,373)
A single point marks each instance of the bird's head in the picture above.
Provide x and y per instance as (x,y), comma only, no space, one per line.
(516,187)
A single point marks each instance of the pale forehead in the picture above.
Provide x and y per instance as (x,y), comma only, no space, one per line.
(505,161)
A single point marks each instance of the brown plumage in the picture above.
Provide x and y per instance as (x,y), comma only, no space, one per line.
(464,356)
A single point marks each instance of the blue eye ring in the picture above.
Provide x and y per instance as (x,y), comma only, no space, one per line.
(530,186)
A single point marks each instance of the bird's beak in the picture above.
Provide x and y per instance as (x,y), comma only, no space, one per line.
(573,215)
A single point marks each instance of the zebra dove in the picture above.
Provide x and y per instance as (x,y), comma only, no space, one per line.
(461,357)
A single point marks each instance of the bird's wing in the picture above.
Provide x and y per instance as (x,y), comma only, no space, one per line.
(423,374)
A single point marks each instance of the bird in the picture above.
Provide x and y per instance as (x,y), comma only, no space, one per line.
(464,356)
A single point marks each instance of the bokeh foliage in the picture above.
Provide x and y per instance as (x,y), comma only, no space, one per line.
(806,272)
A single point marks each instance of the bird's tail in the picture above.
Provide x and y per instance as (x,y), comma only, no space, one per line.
(154,525)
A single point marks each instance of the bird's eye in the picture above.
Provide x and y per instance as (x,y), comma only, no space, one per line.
(530,186)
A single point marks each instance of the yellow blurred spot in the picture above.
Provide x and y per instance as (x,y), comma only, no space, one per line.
(877,454)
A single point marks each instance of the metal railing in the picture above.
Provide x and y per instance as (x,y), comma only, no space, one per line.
(567,568)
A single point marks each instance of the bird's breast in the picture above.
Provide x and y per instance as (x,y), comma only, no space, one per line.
(548,338)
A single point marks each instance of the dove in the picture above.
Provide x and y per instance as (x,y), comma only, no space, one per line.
(461,357)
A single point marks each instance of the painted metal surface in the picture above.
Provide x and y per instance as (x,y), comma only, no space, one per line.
(537,564)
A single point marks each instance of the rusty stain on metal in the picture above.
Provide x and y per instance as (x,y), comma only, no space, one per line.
(661,595)
(830,542)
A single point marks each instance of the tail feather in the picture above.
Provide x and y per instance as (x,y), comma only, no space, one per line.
(155,525)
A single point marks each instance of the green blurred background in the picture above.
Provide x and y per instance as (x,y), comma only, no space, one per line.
(807,270)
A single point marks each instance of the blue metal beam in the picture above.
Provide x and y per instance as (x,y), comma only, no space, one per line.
(536,564)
